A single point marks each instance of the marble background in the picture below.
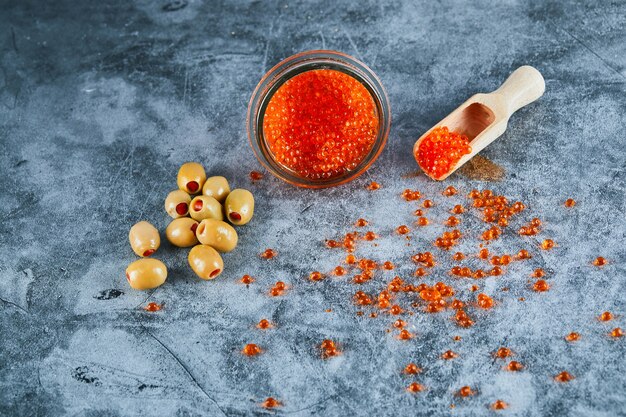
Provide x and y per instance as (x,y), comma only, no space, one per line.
(101,101)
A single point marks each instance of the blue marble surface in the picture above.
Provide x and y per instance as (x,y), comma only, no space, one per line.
(100,102)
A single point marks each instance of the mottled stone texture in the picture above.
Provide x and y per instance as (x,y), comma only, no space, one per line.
(101,101)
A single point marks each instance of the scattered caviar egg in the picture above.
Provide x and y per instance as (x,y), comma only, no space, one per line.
(452,221)
(329,349)
(503,352)
(412,369)
(370,236)
(403,230)
(271,402)
(350,259)
(411,195)
(255,175)
(458,256)
(332,243)
(405,335)
(278,289)
(465,391)
(523,254)
(321,123)
(479,273)
(339,271)
(395,310)
(399,324)
(572,337)
(152,307)
(420,272)
(422,221)
(448,354)
(496,271)
(514,366)
(617,332)
(483,253)
(538,273)
(415,387)
(449,191)
(563,377)
(499,405)
(373,186)
(388,266)
(599,261)
(440,151)
(458,209)
(264,324)
(251,349)
(361,223)
(428,204)
(247,279)
(316,276)
(484,301)
(269,254)
(541,286)
(418,212)
(547,244)
(570,202)
(606,316)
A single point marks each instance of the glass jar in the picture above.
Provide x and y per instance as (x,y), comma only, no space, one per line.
(297,64)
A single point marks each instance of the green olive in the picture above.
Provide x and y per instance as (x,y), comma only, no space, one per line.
(191,177)
(177,204)
(182,232)
(145,274)
(239,206)
(218,234)
(216,187)
(205,261)
(205,207)
(144,239)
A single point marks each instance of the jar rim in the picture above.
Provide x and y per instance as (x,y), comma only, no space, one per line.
(297,64)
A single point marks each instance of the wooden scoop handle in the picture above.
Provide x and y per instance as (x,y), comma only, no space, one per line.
(523,86)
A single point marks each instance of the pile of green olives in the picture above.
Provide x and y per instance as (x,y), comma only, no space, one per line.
(203,211)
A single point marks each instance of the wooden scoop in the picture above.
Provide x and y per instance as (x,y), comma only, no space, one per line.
(484,117)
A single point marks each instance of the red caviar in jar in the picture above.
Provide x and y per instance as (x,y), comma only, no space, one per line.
(440,151)
(321,123)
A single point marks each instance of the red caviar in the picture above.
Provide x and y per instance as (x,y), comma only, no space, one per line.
(405,335)
(563,377)
(415,387)
(465,391)
(412,369)
(572,337)
(617,332)
(321,123)
(271,402)
(247,279)
(269,254)
(570,202)
(152,307)
(606,316)
(255,175)
(403,230)
(499,405)
(361,223)
(448,354)
(599,261)
(503,352)
(541,286)
(373,186)
(251,350)
(316,276)
(264,324)
(514,366)
(440,151)
(339,271)
(329,349)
